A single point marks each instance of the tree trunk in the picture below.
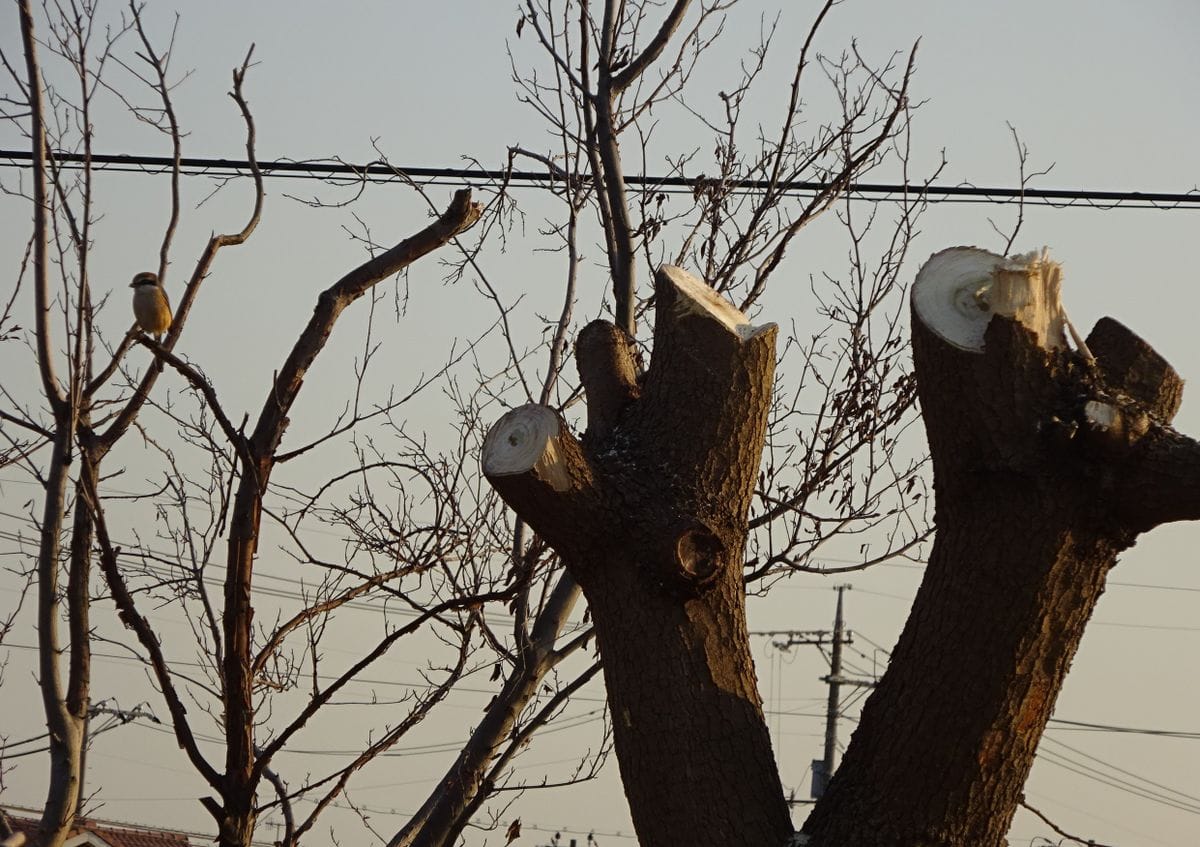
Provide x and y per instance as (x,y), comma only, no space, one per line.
(1043,459)
(693,748)
(447,811)
(65,730)
(649,515)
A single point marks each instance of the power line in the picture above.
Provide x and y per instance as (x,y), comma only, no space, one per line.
(377,607)
(1159,627)
(1133,730)
(383,172)
(560,725)
(361,680)
(1180,795)
(535,827)
(1111,781)
(1154,586)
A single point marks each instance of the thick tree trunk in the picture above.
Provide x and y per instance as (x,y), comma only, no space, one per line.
(688,728)
(649,514)
(1042,460)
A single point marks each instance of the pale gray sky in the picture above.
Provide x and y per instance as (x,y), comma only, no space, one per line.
(1103,90)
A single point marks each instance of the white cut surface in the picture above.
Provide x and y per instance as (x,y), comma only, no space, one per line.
(524,440)
(1028,288)
(958,290)
(697,297)
(1099,414)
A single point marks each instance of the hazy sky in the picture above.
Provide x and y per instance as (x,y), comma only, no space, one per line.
(1104,91)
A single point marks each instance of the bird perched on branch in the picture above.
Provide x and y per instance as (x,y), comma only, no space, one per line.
(150,305)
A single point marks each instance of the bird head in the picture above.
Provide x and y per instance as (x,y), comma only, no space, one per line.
(144,278)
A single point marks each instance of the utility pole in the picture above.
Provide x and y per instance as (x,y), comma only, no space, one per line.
(822,769)
(834,703)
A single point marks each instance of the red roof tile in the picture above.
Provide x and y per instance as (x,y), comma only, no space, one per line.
(117,836)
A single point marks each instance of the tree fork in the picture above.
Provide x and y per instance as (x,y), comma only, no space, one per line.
(236,812)
(1047,463)
(649,512)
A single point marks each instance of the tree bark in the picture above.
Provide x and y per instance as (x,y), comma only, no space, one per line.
(64,728)
(65,707)
(1040,457)
(649,514)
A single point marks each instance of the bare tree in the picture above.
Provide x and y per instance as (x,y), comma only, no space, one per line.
(244,666)
(649,510)
(63,214)
(65,697)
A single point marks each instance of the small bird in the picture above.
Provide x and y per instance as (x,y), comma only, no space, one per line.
(150,305)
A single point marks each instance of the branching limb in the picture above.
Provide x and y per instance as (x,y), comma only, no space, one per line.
(322,697)
(415,715)
(203,266)
(519,741)
(133,619)
(27,424)
(634,70)
(41,268)
(162,87)
(285,806)
(201,384)
(1059,830)
(459,216)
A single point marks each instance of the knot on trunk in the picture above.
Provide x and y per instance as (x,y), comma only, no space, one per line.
(694,561)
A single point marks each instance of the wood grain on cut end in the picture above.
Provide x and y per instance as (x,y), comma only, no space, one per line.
(959,290)
(525,440)
(1028,289)
(696,297)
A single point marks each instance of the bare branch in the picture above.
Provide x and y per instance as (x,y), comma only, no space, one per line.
(459,215)
(27,424)
(203,265)
(1058,830)
(636,67)
(150,642)
(41,283)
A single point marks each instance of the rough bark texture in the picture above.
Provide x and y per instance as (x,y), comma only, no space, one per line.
(652,525)
(1036,496)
